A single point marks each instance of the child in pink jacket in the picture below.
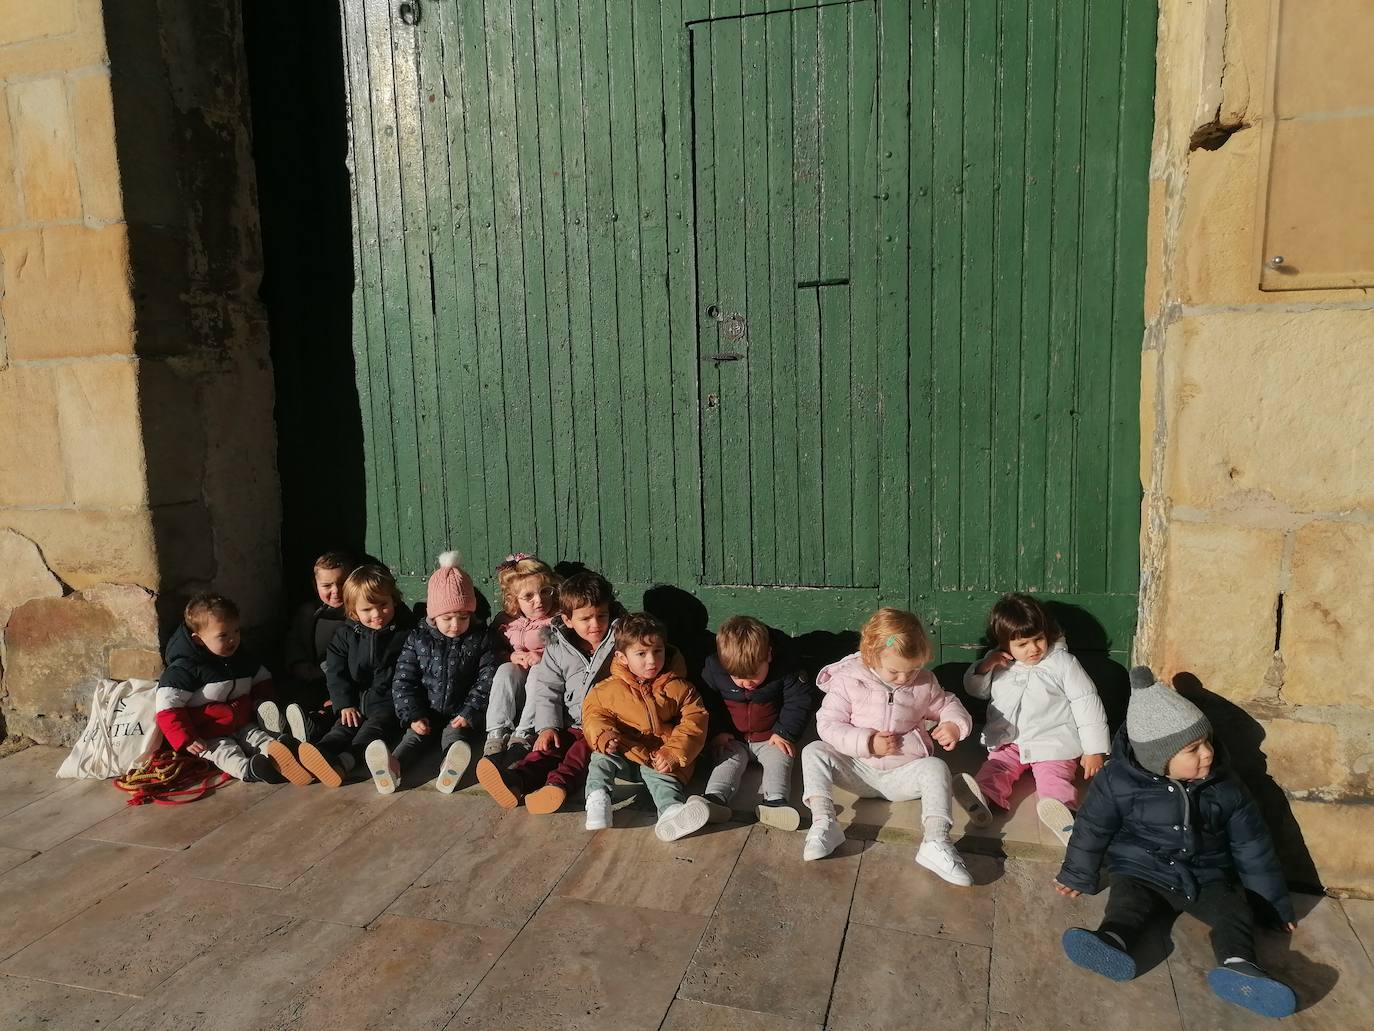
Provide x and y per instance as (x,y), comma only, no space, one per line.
(874,742)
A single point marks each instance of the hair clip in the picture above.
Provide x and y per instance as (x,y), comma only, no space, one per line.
(511,560)
(891,641)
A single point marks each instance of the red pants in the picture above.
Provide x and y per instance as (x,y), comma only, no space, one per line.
(564,765)
(1053,777)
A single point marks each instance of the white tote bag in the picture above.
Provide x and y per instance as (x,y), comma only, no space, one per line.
(122,730)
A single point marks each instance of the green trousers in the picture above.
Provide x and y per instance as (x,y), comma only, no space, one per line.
(663,789)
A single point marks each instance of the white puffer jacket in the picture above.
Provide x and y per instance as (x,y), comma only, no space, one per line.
(1049,710)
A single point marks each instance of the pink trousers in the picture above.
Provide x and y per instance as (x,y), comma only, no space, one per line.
(1053,777)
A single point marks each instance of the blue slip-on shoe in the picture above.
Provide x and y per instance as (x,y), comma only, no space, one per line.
(1244,984)
(1093,951)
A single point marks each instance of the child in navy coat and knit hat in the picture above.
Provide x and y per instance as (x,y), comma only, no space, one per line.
(1179,832)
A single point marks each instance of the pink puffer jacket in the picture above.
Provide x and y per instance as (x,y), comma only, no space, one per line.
(522,634)
(858,702)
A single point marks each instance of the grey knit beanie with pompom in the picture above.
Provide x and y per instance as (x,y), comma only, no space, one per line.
(1160,722)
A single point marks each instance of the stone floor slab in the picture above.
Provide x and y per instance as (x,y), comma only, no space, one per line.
(1033,984)
(356,882)
(627,865)
(1323,962)
(12,857)
(1360,913)
(60,815)
(282,836)
(586,965)
(775,938)
(895,980)
(702,1016)
(53,887)
(28,775)
(402,973)
(179,827)
(895,893)
(25,1003)
(239,984)
(140,935)
(499,870)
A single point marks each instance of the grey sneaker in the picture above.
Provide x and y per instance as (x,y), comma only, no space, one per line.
(496,744)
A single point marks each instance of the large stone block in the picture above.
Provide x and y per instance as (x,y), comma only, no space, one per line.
(86,269)
(88,548)
(96,157)
(60,44)
(11,211)
(30,442)
(1337,836)
(1271,409)
(45,149)
(20,22)
(57,648)
(1304,757)
(23,574)
(1220,599)
(1327,632)
(101,442)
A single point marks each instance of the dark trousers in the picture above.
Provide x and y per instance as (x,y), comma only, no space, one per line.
(413,745)
(380,725)
(1131,904)
(564,765)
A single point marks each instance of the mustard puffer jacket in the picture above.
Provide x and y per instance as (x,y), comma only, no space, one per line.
(664,715)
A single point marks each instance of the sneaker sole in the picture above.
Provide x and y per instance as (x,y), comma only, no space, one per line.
(694,815)
(314,761)
(973,800)
(1058,817)
(378,760)
(489,776)
(546,801)
(295,722)
(288,765)
(269,718)
(1262,995)
(1090,952)
(455,764)
(779,817)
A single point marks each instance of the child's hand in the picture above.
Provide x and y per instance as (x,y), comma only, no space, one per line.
(1091,764)
(1290,928)
(720,743)
(946,735)
(1068,893)
(420,727)
(661,762)
(885,743)
(523,659)
(197,747)
(350,717)
(612,745)
(994,662)
(459,723)
(784,746)
(547,739)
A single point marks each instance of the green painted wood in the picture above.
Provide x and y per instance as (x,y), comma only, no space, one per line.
(549,195)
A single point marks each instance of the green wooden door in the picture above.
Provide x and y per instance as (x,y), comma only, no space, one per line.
(921,225)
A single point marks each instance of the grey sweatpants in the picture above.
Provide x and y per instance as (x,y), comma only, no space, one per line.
(230,754)
(824,768)
(777,769)
(507,709)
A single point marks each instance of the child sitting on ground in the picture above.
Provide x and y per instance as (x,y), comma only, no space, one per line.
(528,589)
(874,742)
(1044,715)
(577,652)
(443,676)
(362,661)
(1179,832)
(645,722)
(759,702)
(209,690)
(303,700)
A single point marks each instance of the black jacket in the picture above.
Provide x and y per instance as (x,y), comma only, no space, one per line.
(360,662)
(445,676)
(780,705)
(1176,835)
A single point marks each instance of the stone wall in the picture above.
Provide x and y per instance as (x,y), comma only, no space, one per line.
(136,437)
(1257,436)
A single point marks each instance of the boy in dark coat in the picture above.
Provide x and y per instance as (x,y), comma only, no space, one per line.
(442,683)
(1179,833)
(759,702)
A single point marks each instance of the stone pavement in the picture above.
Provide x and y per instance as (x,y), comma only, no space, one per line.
(281,907)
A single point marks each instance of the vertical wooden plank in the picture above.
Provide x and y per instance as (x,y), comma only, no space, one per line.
(976,371)
(1042,70)
(835,263)
(806,250)
(863,291)
(893,336)
(1005,383)
(920,302)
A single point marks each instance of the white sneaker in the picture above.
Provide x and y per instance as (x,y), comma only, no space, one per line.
(973,800)
(386,771)
(296,721)
(598,810)
(678,821)
(1058,817)
(824,837)
(496,744)
(944,860)
(455,764)
(269,718)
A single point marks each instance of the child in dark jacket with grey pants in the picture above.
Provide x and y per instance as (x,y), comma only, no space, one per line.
(1179,833)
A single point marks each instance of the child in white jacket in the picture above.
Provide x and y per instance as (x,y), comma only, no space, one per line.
(1044,715)
(874,740)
